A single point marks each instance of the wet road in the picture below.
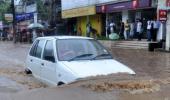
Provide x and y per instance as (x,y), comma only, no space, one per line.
(151,67)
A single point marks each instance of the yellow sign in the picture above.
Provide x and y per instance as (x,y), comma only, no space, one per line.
(84,11)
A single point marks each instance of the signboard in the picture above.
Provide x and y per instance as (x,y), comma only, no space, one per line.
(19,9)
(9,17)
(91,10)
(163,15)
(128,5)
(31,8)
(23,17)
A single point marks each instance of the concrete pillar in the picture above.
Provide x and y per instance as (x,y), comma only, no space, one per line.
(107,23)
(125,16)
(168,34)
(87,21)
(35,17)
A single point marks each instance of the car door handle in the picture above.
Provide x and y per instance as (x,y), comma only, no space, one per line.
(42,64)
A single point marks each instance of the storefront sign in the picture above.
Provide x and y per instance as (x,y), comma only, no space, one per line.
(91,10)
(127,5)
(162,15)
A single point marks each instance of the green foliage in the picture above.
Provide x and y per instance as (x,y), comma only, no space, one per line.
(42,10)
(4,8)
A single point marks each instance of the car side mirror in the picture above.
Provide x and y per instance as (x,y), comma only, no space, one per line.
(50,58)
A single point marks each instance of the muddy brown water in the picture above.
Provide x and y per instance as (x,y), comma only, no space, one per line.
(150,83)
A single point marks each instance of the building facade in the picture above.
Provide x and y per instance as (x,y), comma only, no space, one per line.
(100,12)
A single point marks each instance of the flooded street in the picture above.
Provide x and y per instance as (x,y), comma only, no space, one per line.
(151,82)
(12,64)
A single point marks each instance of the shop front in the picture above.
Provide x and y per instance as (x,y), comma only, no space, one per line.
(79,17)
(128,10)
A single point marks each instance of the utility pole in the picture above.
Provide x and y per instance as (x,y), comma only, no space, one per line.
(14,22)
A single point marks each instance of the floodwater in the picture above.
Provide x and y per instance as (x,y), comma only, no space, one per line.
(152,81)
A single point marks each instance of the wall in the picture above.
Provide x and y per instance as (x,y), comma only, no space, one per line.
(95,21)
(70,4)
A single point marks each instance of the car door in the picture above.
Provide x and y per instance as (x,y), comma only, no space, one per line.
(48,72)
(35,57)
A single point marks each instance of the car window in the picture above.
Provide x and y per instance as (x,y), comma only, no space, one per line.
(33,49)
(49,51)
(39,48)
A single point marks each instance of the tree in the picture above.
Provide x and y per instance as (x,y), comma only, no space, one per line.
(42,10)
(4,8)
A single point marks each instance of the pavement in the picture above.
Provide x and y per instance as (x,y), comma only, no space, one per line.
(152,81)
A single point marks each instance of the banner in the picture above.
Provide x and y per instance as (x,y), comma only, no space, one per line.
(25,16)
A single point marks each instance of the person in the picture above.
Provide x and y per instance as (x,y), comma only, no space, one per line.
(122,29)
(149,29)
(139,30)
(88,29)
(156,25)
(127,30)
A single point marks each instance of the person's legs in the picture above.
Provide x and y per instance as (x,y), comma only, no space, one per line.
(139,36)
(127,35)
(149,35)
(154,34)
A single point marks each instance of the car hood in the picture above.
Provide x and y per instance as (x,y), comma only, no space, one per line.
(97,67)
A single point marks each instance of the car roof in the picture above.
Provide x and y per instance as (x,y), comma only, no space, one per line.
(64,37)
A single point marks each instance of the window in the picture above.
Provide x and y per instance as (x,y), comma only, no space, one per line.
(49,52)
(71,48)
(33,49)
(40,48)
(36,49)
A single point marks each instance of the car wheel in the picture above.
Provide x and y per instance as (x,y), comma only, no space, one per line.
(60,83)
(27,71)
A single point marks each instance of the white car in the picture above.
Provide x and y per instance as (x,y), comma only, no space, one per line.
(65,59)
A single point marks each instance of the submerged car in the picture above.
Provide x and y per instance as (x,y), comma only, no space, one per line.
(65,59)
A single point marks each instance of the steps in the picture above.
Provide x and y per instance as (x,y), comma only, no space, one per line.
(130,44)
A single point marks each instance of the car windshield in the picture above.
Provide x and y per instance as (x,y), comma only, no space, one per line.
(80,49)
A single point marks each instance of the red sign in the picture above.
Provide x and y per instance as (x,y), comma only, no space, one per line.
(168,3)
(162,15)
(135,3)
